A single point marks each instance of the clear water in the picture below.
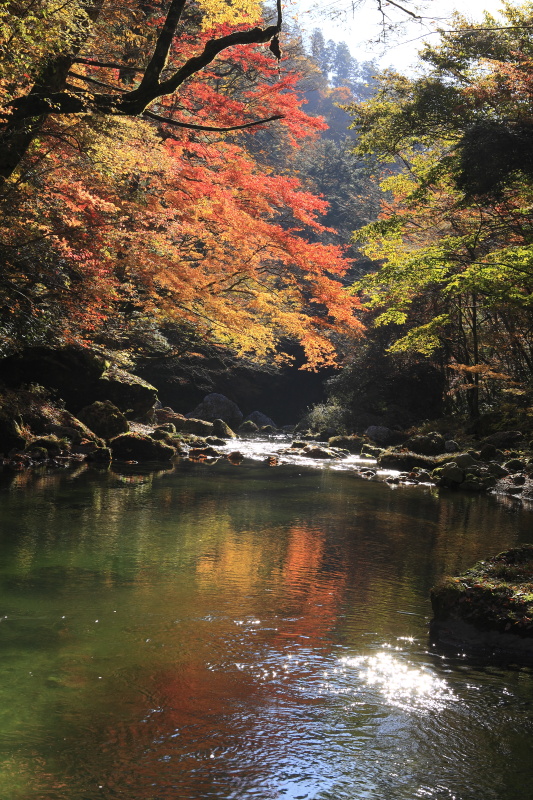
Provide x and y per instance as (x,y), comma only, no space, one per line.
(247,632)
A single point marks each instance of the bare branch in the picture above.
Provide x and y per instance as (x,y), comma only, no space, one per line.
(192,126)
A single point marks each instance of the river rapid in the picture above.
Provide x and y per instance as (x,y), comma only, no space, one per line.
(220,632)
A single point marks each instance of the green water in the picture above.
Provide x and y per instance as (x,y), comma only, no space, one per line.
(223,632)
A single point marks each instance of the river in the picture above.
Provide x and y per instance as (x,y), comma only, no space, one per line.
(235,632)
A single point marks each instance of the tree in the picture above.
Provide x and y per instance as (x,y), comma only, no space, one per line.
(115,221)
(455,237)
(160,77)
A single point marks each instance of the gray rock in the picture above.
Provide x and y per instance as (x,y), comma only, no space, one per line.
(451,446)
(452,474)
(218,406)
(464,460)
(260,419)
(496,469)
(488,452)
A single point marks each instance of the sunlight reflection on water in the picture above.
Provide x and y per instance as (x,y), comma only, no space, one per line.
(400,683)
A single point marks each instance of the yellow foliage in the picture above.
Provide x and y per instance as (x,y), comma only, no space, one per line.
(217,12)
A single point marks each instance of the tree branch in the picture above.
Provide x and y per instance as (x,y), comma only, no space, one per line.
(194,127)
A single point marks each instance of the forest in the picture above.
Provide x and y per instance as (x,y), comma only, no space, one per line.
(193,189)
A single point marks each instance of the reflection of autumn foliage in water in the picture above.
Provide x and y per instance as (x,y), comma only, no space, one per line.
(191,707)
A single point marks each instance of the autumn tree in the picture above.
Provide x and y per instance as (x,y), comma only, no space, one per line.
(454,236)
(115,221)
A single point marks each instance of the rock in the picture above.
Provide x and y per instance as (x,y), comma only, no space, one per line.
(52,445)
(424,477)
(465,460)
(496,469)
(313,451)
(197,426)
(267,429)
(488,610)
(297,445)
(104,419)
(235,457)
(451,475)
(426,444)
(451,446)
(504,439)
(384,436)
(370,451)
(162,435)
(248,427)
(214,440)
(488,452)
(403,460)
(515,465)
(260,419)
(167,427)
(133,396)
(222,429)
(218,406)
(137,447)
(100,455)
(167,414)
(198,453)
(518,479)
(351,443)
(472,484)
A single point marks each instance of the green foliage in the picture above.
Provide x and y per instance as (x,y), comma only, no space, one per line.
(453,244)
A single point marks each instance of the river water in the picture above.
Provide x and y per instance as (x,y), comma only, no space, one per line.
(219,632)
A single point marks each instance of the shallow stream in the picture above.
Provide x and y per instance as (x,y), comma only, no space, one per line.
(223,632)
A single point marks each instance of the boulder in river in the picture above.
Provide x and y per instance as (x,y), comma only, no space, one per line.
(248,427)
(488,610)
(260,419)
(218,406)
(351,443)
(132,395)
(104,418)
(137,447)
(222,430)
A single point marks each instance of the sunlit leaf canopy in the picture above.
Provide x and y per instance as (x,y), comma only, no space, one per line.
(111,218)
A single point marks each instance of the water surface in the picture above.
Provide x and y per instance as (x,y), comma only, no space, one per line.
(247,632)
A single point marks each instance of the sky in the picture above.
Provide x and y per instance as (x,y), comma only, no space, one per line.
(361,28)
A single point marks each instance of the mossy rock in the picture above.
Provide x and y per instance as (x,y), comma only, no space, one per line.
(248,427)
(132,395)
(403,460)
(100,455)
(351,443)
(494,595)
(222,430)
(137,447)
(426,444)
(52,445)
(104,418)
